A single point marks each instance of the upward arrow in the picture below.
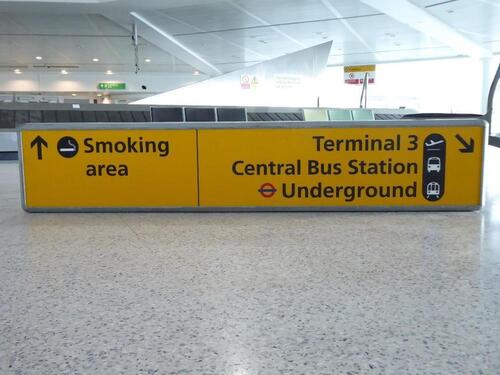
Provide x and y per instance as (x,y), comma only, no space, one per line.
(468,147)
(39,142)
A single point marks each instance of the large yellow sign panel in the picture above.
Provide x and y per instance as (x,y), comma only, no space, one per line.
(384,167)
(66,169)
(398,167)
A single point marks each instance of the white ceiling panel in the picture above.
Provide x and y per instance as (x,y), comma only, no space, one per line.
(113,53)
(264,41)
(230,34)
(391,55)
(319,32)
(385,33)
(477,20)
(172,25)
(219,50)
(214,16)
(298,11)
(81,24)
(196,37)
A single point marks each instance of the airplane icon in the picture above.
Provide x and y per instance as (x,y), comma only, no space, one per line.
(432,143)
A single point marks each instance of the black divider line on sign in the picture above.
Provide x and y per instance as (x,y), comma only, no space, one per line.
(197,169)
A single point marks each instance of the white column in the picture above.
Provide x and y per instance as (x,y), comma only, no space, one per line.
(486,82)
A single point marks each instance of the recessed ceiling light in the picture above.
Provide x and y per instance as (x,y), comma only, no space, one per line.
(95,59)
(73,94)
(196,73)
(109,72)
(17,71)
(38,57)
(147,60)
(64,71)
(99,95)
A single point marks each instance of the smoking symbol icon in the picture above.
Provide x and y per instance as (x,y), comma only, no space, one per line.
(67,147)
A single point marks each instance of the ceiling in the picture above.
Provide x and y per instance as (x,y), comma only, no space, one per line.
(228,35)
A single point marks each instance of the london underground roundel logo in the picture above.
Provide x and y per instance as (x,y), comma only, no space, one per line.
(267,190)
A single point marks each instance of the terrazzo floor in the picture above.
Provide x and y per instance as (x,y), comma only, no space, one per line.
(249,293)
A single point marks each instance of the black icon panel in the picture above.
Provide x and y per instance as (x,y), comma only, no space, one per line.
(434,164)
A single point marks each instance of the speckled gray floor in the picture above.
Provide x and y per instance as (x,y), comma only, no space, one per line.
(291,293)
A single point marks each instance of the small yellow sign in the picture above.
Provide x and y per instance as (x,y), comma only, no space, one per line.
(341,167)
(356,75)
(359,68)
(109,168)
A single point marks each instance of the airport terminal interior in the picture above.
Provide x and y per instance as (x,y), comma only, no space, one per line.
(249,187)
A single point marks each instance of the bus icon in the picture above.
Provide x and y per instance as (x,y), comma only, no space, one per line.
(433,190)
(434,164)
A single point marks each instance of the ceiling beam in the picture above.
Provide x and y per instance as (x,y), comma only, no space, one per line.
(419,19)
(159,37)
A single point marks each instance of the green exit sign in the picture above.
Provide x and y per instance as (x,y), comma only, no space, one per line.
(112,86)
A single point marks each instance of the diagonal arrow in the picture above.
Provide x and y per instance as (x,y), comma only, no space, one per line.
(39,142)
(468,147)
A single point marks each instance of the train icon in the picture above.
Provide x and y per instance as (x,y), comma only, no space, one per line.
(433,190)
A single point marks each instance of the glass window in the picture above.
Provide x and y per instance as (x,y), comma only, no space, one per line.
(447,86)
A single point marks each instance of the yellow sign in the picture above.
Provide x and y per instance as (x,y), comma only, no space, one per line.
(356,75)
(341,167)
(359,68)
(109,168)
(401,166)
